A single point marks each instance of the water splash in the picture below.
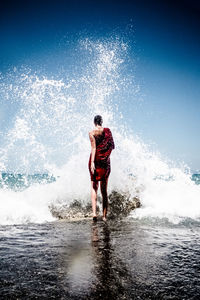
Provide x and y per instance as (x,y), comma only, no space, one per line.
(48,133)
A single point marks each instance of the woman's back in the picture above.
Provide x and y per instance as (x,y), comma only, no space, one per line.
(97,132)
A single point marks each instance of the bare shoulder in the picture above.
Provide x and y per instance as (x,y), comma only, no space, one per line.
(91,133)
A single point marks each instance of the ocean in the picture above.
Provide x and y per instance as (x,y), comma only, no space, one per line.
(128,257)
(50,248)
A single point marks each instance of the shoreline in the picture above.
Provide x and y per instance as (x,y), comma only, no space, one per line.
(79,259)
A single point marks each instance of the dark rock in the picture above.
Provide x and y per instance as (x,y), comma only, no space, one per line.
(120,205)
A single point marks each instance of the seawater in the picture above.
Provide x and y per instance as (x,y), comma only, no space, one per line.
(122,259)
(19,182)
(46,132)
(153,252)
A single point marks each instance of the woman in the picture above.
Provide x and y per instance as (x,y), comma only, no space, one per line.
(102,145)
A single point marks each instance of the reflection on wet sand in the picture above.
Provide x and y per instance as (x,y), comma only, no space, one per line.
(90,267)
(118,260)
(112,277)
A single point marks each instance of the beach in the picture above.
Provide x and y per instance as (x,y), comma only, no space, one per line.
(49,246)
(119,259)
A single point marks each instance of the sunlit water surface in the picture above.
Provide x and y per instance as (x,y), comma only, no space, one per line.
(44,151)
(125,259)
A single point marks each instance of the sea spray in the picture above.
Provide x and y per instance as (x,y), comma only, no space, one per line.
(48,134)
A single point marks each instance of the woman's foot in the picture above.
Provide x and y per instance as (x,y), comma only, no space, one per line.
(104,219)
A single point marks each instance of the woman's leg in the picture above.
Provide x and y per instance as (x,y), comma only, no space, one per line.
(94,188)
(104,184)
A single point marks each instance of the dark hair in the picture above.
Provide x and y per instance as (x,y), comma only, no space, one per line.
(98,120)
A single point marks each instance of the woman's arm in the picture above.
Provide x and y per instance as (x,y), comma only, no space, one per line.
(93,151)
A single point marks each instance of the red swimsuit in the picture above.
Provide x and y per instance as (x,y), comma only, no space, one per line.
(104,147)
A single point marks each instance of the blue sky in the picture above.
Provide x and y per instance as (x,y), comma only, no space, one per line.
(165,46)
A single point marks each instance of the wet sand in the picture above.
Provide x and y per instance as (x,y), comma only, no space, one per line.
(124,259)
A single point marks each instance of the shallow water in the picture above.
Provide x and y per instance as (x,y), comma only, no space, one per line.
(126,259)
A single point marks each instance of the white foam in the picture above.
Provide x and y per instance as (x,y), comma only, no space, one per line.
(49,133)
